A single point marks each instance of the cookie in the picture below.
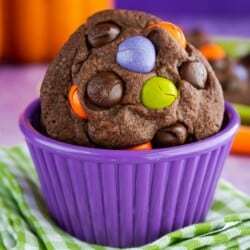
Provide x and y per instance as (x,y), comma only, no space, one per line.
(233,74)
(125,78)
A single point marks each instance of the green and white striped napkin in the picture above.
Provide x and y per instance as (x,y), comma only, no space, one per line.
(25,223)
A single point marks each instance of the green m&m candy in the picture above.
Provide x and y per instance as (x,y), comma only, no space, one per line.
(158,93)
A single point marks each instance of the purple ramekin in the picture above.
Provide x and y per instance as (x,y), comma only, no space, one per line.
(125,198)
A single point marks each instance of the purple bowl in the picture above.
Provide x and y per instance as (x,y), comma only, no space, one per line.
(124,198)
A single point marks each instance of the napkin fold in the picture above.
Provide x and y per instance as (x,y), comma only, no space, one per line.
(26,225)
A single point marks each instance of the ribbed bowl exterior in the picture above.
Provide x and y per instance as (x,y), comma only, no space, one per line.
(124,198)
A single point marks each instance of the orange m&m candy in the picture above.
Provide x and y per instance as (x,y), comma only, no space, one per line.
(75,102)
(174,30)
(145,146)
(212,51)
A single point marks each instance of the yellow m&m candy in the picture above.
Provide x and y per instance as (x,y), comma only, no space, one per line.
(158,93)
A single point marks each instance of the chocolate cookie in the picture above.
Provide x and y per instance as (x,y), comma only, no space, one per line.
(126,78)
(233,74)
(197,37)
(233,77)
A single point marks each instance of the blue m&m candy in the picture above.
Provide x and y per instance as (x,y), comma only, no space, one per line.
(136,53)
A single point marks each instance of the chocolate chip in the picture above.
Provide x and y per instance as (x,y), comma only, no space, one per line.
(195,73)
(235,80)
(245,60)
(103,33)
(105,89)
(170,136)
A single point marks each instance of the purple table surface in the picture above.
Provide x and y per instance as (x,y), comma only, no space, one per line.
(19,85)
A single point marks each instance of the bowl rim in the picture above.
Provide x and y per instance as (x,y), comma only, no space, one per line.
(122,155)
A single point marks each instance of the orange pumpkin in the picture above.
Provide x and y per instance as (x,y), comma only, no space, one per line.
(25,35)
(63,25)
(36,29)
(94,6)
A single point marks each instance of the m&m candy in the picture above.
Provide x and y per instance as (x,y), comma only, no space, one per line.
(174,30)
(212,51)
(74,102)
(158,93)
(137,54)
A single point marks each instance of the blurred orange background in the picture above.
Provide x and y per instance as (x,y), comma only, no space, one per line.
(34,30)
